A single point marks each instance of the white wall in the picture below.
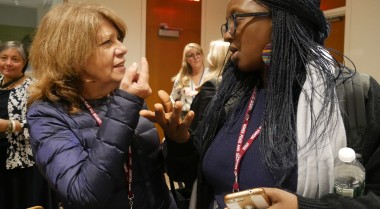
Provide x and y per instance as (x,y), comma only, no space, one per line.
(362,35)
(213,16)
(45,6)
(18,16)
(133,12)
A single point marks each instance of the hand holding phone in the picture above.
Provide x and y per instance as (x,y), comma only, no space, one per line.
(248,199)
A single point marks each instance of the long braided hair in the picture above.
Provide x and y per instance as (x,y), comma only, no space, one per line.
(299,30)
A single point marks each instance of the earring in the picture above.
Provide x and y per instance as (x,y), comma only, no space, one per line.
(266,55)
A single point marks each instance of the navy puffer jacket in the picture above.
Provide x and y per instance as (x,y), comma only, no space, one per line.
(84,162)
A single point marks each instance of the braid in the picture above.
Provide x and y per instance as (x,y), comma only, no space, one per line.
(298,33)
(295,44)
(234,85)
(279,131)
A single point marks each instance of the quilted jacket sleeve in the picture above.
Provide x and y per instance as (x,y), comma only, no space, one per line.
(83,178)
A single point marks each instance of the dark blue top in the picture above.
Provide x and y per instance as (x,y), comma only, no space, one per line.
(4,97)
(219,159)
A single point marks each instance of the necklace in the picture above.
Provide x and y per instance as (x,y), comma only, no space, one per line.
(10,83)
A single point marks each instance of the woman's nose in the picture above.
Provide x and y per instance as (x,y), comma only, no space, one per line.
(227,37)
(121,49)
(8,62)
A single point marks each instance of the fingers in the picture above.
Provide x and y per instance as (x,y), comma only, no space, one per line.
(166,101)
(130,75)
(175,117)
(142,83)
(150,115)
(169,118)
(187,120)
(144,71)
(281,199)
(160,116)
(136,81)
(184,127)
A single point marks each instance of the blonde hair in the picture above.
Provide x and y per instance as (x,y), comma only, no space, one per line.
(183,76)
(65,39)
(216,57)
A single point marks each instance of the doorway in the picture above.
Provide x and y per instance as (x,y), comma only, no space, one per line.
(164,53)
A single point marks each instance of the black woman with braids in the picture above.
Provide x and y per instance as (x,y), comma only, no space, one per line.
(275,121)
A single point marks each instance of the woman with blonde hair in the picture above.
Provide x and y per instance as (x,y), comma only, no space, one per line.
(216,57)
(88,138)
(190,77)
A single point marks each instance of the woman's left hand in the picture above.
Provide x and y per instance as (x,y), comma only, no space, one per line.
(168,116)
(281,199)
(136,81)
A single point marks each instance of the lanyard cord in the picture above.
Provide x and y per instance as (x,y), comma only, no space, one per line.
(128,175)
(93,113)
(127,165)
(240,149)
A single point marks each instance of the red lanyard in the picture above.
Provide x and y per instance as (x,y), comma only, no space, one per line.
(128,175)
(93,113)
(128,165)
(241,150)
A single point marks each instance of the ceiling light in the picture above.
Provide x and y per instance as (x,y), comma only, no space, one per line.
(16,2)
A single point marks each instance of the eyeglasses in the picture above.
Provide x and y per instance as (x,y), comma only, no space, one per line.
(193,56)
(231,23)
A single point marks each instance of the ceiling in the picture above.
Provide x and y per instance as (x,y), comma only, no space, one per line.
(25,3)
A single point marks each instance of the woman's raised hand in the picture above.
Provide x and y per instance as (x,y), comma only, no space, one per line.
(136,81)
(168,116)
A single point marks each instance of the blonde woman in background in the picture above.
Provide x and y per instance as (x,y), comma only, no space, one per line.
(218,53)
(190,77)
(216,58)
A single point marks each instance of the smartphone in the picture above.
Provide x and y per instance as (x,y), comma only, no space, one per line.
(247,199)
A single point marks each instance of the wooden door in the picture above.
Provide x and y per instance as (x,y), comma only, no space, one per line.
(164,54)
(336,37)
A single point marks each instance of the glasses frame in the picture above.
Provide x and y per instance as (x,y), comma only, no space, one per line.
(224,28)
(194,56)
